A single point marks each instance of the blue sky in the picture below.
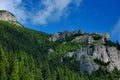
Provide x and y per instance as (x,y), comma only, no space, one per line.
(52,16)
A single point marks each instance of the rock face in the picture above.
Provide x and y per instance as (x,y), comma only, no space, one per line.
(7,16)
(87,66)
(90,57)
(113,54)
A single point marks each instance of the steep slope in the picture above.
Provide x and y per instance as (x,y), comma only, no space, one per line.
(26,54)
(16,38)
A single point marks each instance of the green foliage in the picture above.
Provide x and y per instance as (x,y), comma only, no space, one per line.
(62,49)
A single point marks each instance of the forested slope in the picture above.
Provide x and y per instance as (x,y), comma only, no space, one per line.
(24,56)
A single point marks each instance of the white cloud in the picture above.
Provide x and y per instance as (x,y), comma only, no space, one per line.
(54,10)
(44,12)
(116,29)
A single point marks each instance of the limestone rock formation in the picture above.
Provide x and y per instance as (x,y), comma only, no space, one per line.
(113,54)
(7,16)
(87,66)
(99,55)
(95,50)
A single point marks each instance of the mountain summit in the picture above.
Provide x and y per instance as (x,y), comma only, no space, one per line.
(7,16)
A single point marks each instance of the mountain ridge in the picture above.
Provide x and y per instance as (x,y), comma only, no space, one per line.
(34,55)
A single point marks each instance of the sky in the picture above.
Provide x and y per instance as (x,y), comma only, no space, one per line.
(53,16)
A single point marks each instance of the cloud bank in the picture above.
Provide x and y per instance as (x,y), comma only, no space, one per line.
(44,12)
(116,29)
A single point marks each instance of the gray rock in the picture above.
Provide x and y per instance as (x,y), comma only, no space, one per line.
(56,36)
(113,54)
(89,40)
(86,66)
(80,52)
(99,53)
(86,56)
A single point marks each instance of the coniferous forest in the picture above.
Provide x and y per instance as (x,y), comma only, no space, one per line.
(24,56)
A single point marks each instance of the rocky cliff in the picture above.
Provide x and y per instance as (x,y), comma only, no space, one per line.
(95,50)
(99,55)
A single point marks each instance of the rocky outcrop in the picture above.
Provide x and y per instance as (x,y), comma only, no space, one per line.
(7,16)
(81,39)
(89,40)
(61,35)
(99,55)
